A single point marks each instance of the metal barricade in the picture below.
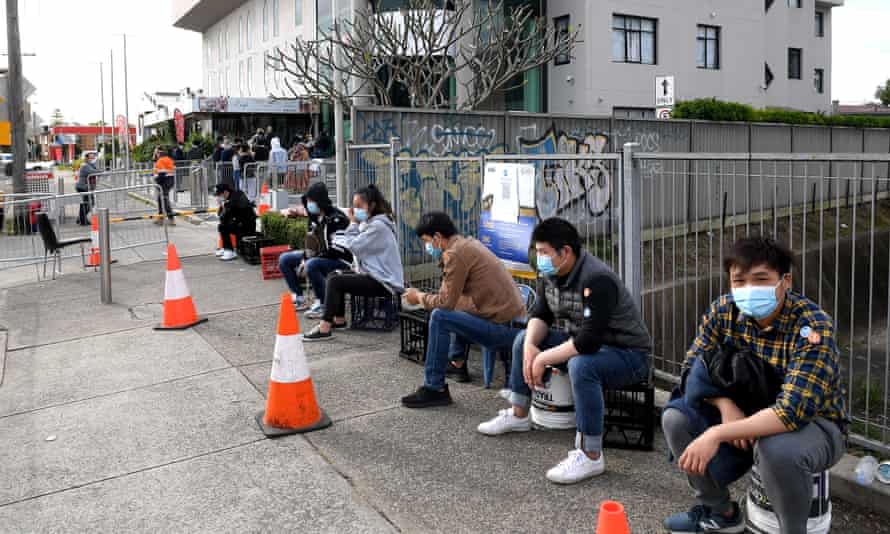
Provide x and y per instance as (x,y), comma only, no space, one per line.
(132,225)
(225,173)
(369,164)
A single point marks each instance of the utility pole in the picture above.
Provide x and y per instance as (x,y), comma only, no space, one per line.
(113,118)
(126,108)
(16,98)
(102,105)
(339,139)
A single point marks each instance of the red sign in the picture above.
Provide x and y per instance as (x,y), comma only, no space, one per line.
(70,152)
(179,122)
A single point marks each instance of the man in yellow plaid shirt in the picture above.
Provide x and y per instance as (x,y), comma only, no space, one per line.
(790,438)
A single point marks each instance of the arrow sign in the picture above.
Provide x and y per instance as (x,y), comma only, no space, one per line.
(664,91)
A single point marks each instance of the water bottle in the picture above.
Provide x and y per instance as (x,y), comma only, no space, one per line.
(865,470)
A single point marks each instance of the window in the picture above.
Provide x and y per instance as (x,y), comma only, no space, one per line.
(820,24)
(241,33)
(708,47)
(250,76)
(208,48)
(561,25)
(219,48)
(298,13)
(248,27)
(819,80)
(228,81)
(795,62)
(228,40)
(325,16)
(795,3)
(767,75)
(275,10)
(265,20)
(241,78)
(633,40)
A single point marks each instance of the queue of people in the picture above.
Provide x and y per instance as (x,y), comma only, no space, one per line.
(761,383)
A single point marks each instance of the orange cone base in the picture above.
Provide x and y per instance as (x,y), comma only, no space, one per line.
(274,431)
(181,327)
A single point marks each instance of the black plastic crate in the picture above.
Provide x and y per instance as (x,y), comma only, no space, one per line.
(630,417)
(249,248)
(374,313)
(415,330)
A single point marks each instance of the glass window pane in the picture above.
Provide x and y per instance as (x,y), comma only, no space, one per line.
(648,25)
(617,22)
(634,23)
(298,12)
(700,55)
(702,32)
(648,53)
(712,54)
(712,33)
(633,51)
(618,50)
(275,16)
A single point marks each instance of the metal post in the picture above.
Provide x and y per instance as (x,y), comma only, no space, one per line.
(126,108)
(113,118)
(104,256)
(395,146)
(102,105)
(631,223)
(16,97)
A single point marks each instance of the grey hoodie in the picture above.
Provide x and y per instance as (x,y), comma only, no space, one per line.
(375,246)
(86,170)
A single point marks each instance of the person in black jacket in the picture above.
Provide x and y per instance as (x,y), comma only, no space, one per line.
(236,216)
(218,149)
(195,152)
(321,257)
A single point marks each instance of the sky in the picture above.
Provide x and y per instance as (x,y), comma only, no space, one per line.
(71,38)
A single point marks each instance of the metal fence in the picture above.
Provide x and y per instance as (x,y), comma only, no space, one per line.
(20,241)
(370,164)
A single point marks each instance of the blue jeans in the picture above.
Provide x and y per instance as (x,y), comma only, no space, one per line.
(611,367)
(467,327)
(288,263)
(236,178)
(317,270)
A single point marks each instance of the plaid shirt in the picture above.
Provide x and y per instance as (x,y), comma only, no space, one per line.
(799,344)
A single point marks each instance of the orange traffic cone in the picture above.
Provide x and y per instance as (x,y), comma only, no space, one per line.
(264,200)
(179,310)
(291,407)
(612,519)
(93,260)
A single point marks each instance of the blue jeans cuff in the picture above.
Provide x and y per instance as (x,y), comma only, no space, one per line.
(588,443)
(518,399)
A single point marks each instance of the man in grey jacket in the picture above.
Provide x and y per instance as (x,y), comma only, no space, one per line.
(583,317)
(86,184)
(372,239)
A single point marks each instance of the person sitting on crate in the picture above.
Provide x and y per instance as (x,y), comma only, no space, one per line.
(761,336)
(372,239)
(477,301)
(583,316)
(236,216)
(165,176)
(321,256)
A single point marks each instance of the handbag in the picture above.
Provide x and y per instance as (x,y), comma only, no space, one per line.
(747,379)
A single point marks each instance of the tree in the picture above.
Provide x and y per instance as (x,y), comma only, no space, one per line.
(419,51)
(883,93)
(57,117)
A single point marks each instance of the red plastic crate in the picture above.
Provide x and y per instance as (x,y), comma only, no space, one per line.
(269,259)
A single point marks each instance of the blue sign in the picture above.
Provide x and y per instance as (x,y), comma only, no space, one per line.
(508,241)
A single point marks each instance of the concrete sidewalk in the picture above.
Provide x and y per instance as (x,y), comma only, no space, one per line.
(107,425)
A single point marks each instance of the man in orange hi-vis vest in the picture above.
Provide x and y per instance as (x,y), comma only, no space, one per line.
(165,176)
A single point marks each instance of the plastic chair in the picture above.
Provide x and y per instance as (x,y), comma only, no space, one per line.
(529,297)
(53,246)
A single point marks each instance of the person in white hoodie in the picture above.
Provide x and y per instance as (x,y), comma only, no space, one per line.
(278,160)
(372,239)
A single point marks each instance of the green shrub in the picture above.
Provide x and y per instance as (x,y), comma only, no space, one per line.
(711,109)
(284,230)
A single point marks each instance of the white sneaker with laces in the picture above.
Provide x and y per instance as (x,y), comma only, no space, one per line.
(228,255)
(316,306)
(505,422)
(576,467)
(220,252)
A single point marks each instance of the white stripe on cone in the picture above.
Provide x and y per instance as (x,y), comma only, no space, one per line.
(289,360)
(175,287)
(94,237)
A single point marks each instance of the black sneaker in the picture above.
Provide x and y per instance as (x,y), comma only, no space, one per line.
(317,335)
(427,398)
(458,374)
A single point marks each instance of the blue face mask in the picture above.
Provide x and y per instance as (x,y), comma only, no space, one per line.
(312,208)
(436,253)
(546,267)
(361,214)
(756,301)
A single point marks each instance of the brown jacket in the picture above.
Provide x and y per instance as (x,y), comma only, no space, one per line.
(475,280)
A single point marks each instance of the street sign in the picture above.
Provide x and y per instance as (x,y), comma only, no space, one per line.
(663,114)
(664,91)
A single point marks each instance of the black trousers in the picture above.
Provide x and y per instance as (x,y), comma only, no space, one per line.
(339,285)
(86,206)
(225,232)
(164,206)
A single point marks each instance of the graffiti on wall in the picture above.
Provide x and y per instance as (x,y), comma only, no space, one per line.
(579,187)
(447,136)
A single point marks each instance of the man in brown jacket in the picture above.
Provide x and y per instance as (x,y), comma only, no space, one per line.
(473,279)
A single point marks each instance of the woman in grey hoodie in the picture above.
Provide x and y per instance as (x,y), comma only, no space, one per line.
(373,240)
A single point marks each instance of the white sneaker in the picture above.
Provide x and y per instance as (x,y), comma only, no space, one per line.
(505,422)
(315,312)
(220,252)
(316,306)
(228,255)
(576,467)
(505,393)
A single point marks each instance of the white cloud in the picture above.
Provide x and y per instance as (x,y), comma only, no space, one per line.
(861,49)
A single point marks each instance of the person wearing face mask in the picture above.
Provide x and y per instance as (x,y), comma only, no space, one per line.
(321,258)
(798,432)
(86,183)
(477,301)
(586,318)
(372,239)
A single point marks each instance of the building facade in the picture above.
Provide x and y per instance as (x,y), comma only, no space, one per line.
(773,53)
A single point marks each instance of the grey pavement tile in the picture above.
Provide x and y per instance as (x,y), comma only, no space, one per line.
(271,485)
(99,365)
(117,434)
